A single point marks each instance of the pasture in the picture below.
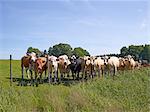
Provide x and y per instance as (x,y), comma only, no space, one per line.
(130,91)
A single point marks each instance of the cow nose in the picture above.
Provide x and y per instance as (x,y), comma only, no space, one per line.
(65,63)
(104,63)
(39,68)
(52,65)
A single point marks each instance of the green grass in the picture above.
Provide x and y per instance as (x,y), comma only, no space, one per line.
(130,91)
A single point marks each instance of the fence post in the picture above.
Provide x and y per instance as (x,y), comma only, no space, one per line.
(10,70)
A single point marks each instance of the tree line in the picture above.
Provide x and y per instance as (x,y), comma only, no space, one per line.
(61,49)
(139,52)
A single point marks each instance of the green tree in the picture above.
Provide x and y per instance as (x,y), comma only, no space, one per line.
(146,53)
(135,51)
(124,51)
(60,49)
(80,52)
(35,50)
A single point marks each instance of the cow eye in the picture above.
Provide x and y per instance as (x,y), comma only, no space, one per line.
(43,61)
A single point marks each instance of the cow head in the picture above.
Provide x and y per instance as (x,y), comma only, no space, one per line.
(32,56)
(54,61)
(121,62)
(105,58)
(40,63)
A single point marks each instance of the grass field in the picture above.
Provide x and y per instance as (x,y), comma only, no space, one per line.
(130,91)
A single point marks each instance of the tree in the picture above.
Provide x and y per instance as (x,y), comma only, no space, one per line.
(35,50)
(124,51)
(146,53)
(80,52)
(60,49)
(135,51)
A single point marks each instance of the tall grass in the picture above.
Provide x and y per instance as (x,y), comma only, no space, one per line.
(130,91)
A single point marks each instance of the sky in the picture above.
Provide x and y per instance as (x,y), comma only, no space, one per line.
(100,27)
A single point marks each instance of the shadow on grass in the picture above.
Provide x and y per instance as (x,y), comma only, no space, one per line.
(64,81)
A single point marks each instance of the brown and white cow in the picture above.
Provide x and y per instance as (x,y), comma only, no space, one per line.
(63,64)
(89,66)
(27,62)
(129,62)
(40,67)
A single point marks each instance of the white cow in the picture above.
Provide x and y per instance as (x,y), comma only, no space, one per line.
(53,67)
(63,64)
(132,63)
(113,63)
(99,65)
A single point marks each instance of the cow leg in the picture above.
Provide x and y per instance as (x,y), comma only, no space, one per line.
(26,69)
(92,73)
(68,74)
(83,74)
(41,79)
(102,72)
(45,75)
(114,72)
(95,73)
(36,79)
(50,77)
(86,75)
(73,75)
(77,74)
(31,79)
(55,76)
(99,72)
(61,75)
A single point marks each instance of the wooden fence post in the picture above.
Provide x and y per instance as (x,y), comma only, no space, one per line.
(10,70)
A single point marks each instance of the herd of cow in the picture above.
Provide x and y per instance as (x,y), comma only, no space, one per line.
(62,66)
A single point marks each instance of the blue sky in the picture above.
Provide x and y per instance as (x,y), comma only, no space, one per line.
(101,27)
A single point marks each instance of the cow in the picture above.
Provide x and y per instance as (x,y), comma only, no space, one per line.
(72,66)
(53,67)
(99,66)
(27,62)
(89,66)
(137,65)
(145,63)
(129,62)
(113,64)
(63,65)
(76,66)
(40,67)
